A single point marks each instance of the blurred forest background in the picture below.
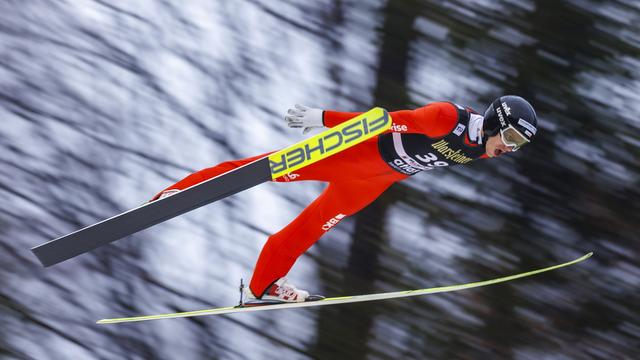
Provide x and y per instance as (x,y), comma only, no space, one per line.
(104,103)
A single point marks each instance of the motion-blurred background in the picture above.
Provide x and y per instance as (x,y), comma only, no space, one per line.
(104,103)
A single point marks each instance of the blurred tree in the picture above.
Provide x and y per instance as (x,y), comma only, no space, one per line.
(344,331)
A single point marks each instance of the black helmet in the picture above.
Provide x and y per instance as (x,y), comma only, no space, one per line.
(510,111)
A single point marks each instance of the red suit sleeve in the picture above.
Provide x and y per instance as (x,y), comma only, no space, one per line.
(434,120)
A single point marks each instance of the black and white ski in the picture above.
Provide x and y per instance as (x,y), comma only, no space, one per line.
(304,153)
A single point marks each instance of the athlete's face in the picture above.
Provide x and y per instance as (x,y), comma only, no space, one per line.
(495,147)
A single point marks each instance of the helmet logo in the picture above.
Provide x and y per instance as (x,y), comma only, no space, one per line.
(501,117)
(507,109)
(525,124)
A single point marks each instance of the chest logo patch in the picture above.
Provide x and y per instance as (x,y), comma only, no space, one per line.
(456,156)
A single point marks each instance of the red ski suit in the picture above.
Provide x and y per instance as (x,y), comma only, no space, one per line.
(355,178)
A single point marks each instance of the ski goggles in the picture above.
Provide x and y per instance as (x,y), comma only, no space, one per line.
(513,138)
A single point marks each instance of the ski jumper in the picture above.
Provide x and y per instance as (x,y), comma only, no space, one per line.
(423,139)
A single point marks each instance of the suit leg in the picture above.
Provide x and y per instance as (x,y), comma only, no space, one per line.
(338,200)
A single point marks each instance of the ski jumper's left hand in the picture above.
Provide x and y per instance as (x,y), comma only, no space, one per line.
(305,117)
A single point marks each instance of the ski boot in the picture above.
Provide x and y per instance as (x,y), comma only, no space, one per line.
(280,292)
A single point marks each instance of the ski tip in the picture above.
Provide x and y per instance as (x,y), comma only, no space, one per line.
(581,258)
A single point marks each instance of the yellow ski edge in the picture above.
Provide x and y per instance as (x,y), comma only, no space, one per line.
(347,299)
(329,142)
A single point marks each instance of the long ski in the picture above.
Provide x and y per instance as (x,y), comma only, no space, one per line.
(344,299)
(304,153)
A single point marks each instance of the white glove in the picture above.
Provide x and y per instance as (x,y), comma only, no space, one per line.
(305,117)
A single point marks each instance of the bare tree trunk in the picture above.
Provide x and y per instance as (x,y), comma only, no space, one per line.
(343,331)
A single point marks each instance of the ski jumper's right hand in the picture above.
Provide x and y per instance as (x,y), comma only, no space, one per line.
(305,117)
